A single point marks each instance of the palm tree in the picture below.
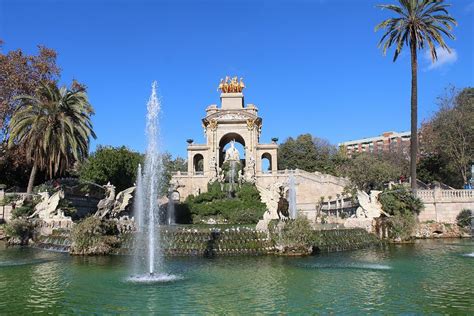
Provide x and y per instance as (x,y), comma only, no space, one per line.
(419,23)
(55,126)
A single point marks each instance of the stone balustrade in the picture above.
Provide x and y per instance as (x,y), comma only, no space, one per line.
(180,173)
(438,195)
(443,206)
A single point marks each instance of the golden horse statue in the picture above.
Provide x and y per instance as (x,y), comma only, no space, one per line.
(229,85)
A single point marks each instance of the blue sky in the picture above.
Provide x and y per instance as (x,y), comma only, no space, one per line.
(309,66)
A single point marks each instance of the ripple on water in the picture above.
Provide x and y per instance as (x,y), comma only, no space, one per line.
(469,255)
(154,278)
(11,263)
(355,265)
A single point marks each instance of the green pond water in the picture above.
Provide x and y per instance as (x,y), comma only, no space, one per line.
(429,277)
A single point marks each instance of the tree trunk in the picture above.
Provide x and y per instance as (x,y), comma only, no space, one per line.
(414,114)
(31,181)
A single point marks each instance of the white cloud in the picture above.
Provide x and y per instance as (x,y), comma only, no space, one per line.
(444,58)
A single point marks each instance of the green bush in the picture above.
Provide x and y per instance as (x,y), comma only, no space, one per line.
(20,231)
(68,209)
(400,201)
(226,168)
(94,236)
(401,226)
(244,216)
(45,187)
(293,236)
(8,199)
(403,207)
(464,218)
(25,210)
(245,208)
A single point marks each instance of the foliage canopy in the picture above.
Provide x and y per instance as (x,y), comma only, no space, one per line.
(400,200)
(55,126)
(245,208)
(448,139)
(115,164)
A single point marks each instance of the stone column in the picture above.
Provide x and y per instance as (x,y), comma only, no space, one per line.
(190,163)
(436,198)
(274,162)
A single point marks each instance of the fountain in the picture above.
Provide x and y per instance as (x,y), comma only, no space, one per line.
(292,196)
(232,178)
(148,258)
(170,220)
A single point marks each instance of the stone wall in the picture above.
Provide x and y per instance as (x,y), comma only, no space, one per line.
(443,212)
(310,186)
(443,206)
(210,242)
(343,239)
(188,185)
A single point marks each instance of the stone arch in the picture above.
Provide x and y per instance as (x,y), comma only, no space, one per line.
(266,162)
(198,163)
(226,139)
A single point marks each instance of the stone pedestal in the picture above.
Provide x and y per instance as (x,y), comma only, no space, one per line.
(232,101)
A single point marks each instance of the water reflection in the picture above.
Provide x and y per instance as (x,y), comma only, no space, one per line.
(46,286)
(425,278)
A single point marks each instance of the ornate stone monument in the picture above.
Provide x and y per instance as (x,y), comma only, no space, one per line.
(231,123)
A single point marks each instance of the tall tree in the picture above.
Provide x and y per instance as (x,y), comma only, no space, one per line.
(449,136)
(372,172)
(54,125)
(22,74)
(417,24)
(307,153)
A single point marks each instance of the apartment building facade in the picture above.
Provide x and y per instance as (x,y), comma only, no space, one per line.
(387,142)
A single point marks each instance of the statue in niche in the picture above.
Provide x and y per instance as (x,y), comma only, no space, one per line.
(252,164)
(240,177)
(250,174)
(213,169)
(232,153)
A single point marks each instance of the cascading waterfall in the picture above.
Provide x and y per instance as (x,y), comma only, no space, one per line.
(232,177)
(292,196)
(147,252)
(170,210)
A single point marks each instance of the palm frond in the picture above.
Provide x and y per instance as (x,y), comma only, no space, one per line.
(423,22)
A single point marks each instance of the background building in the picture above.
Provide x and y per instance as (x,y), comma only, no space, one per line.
(387,142)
